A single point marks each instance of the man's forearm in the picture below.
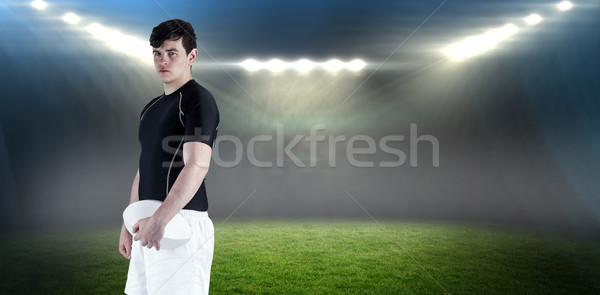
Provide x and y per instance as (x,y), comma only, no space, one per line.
(185,187)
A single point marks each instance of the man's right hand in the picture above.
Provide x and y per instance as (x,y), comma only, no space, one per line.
(125,242)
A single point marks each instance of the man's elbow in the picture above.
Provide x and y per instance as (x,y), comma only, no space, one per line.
(198,165)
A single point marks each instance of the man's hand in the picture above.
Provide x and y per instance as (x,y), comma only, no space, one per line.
(125,242)
(150,231)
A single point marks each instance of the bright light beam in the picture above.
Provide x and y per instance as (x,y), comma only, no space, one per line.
(119,41)
(251,65)
(39,4)
(356,65)
(478,44)
(509,30)
(334,65)
(533,19)
(276,65)
(564,5)
(303,65)
(71,18)
(114,39)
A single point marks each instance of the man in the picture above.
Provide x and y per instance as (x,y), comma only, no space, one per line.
(184,119)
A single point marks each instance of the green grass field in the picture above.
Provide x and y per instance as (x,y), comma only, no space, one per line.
(323,257)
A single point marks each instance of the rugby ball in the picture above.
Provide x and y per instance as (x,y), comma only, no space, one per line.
(177,232)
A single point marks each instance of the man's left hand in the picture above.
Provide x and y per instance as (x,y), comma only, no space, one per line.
(150,231)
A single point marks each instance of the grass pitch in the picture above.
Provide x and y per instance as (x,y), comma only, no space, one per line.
(323,257)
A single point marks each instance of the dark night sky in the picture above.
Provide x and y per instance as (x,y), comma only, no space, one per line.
(517,127)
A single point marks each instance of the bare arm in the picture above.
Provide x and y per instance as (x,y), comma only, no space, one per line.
(196,158)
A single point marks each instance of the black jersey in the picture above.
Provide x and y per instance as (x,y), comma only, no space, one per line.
(166,123)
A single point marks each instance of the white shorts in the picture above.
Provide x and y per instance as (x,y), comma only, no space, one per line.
(183,270)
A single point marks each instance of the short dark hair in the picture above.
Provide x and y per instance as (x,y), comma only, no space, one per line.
(173,30)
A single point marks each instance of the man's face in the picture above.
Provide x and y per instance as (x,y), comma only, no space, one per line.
(170,60)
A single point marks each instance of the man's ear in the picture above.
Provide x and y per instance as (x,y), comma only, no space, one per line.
(192,56)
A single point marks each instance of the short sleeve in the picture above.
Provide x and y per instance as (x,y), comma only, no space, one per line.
(201,119)
(148,105)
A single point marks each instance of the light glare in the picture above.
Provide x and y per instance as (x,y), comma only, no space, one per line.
(39,4)
(509,30)
(303,65)
(251,65)
(114,39)
(564,5)
(276,65)
(533,19)
(97,30)
(356,65)
(478,44)
(334,65)
(119,41)
(71,18)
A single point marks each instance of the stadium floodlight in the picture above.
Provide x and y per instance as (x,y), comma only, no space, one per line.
(564,5)
(129,44)
(39,4)
(303,65)
(251,65)
(533,19)
(276,65)
(97,30)
(119,41)
(114,39)
(356,65)
(477,44)
(334,65)
(472,46)
(71,18)
(508,30)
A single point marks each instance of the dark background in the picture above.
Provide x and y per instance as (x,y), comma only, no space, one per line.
(517,127)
